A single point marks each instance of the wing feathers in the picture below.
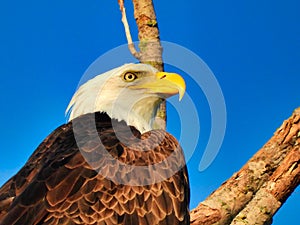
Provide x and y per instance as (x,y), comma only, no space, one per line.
(58,186)
(61,191)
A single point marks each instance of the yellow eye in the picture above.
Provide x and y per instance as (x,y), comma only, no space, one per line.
(129,77)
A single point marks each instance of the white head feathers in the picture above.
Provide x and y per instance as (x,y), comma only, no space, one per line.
(109,92)
(131,93)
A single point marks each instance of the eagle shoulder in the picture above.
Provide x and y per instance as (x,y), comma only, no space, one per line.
(60,185)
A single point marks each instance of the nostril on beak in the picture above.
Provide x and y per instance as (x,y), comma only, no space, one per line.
(162,77)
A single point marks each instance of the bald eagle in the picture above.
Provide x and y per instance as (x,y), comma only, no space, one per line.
(108,164)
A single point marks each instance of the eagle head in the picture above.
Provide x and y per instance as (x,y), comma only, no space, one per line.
(132,92)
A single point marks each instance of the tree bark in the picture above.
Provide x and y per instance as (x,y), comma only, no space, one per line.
(273,194)
(148,33)
(257,182)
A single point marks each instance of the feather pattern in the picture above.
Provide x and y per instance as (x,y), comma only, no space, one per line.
(58,185)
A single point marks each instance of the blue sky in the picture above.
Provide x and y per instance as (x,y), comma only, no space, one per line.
(252,47)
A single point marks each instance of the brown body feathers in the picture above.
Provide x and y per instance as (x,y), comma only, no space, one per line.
(58,185)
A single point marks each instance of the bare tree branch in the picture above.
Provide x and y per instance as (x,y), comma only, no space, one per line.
(228,200)
(148,33)
(149,45)
(273,194)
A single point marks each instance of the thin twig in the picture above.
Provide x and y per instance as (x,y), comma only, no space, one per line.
(131,46)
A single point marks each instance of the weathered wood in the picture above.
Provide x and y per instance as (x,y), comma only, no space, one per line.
(273,193)
(148,33)
(233,195)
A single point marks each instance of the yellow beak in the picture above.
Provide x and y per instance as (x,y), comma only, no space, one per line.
(168,84)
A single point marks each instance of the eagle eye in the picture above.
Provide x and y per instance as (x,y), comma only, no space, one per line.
(129,76)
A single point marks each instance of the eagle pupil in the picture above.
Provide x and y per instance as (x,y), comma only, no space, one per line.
(129,77)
